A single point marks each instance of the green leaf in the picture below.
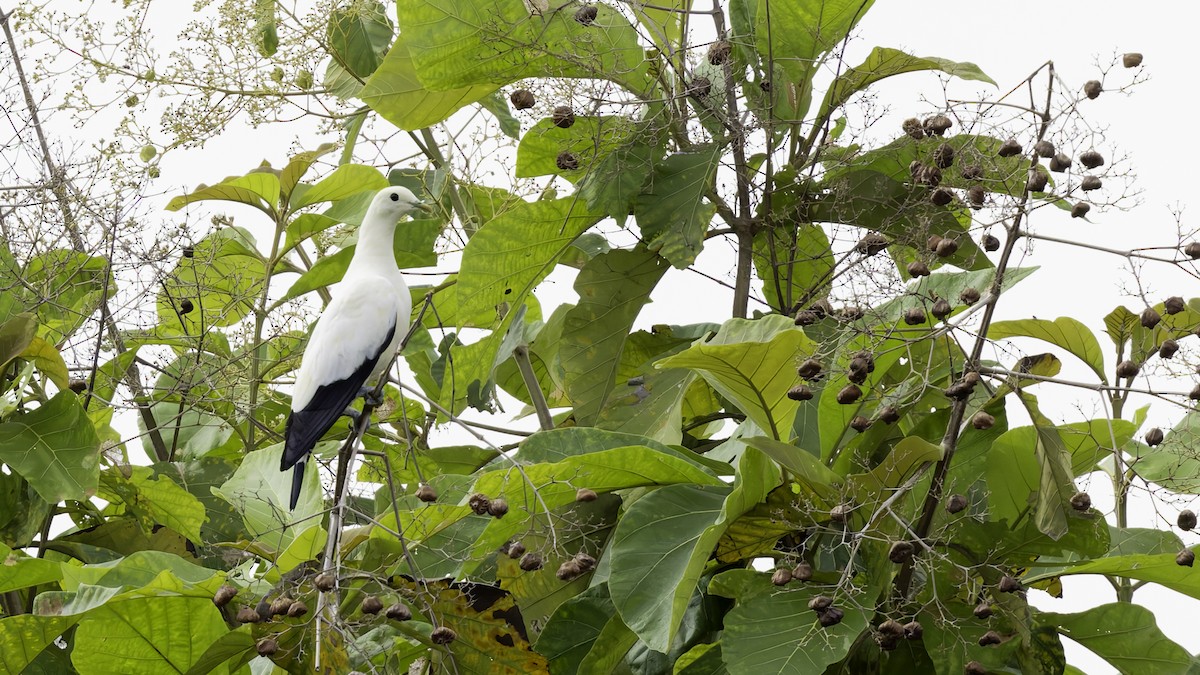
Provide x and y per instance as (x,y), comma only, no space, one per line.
(1126,636)
(589,139)
(614,183)
(253,189)
(64,288)
(299,165)
(884,62)
(220,281)
(1175,464)
(346,180)
(658,551)
(24,636)
(1160,569)
(946,285)
(1070,334)
(396,92)
(146,635)
(497,105)
(156,500)
(459,43)
(1120,324)
(1145,341)
(235,643)
(612,289)
(703,659)
(574,628)
(803,465)
(359,34)
(906,457)
(793,262)
(752,363)
(55,448)
(265,29)
(18,570)
(653,408)
(48,360)
(671,211)
(16,335)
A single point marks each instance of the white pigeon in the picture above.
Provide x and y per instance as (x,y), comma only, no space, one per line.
(356,336)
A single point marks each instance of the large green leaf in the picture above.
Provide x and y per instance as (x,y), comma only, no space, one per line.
(793,262)
(259,189)
(64,288)
(804,467)
(752,363)
(55,448)
(24,636)
(613,183)
(397,94)
(671,210)
(658,551)
(773,631)
(884,62)
(18,570)
(1175,464)
(358,35)
(146,636)
(612,289)
(574,628)
(219,282)
(459,43)
(155,500)
(1070,334)
(16,334)
(346,180)
(1126,636)
(945,285)
(1160,569)
(589,139)
(556,445)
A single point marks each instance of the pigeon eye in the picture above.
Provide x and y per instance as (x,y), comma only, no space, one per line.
(395,197)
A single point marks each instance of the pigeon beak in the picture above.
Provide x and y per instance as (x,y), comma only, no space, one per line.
(424,207)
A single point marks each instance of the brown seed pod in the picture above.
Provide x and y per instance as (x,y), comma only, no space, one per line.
(781,577)
(1174,305)
(398,612)
(1168,348)
(956,503)
(886,643)
(280,605)
(566,161)
(990,638)
(586,562)
(516,550)
(969,296)
(1043,148)
(860,423)
(248,615)
(479,503)
(839,513)
(1081,501)
(857,373)
(586,14)
(937,125)
(957,391)
(1194,394)
(1127,369)
(1150,317)
(974,668)
(941,197)
(1186,520)
(371,605)
(426,493)
(800,393)
(564,117)
(849,394)
(188,252)
(522,99)
(718,52)
(851,313)
(990,243)
(917,268)
(1185,558)
(807,317)
(1131,60)
(915,169)
(585,495)
(983,611)
(699,87)
(820,603)
(297,609)
(802,572)
(531,561)
(900,552)
(1192,250)
(892,628)
(810,369)
(1060,163)
(1154,437)
(1092,88)
(1090,183)
(889,415)
(186,306)
(976,196)
(943,156)
(1009,148)
(1037,181)
(866,357)
(77,386)
(267,646)
(941,309)
(1008,584)
(443,635)
(830,617)
(912,127)
(982,420)
(223,595)
(497,508)
(932,242)
(325,581)
(930,176)
(1091,159)
(947,247)
(568,571)
(914,316)
(871,244)
(971,172)
(913,630)
(1080,209)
